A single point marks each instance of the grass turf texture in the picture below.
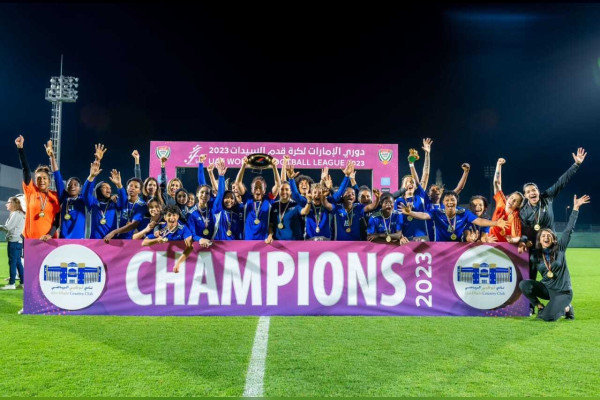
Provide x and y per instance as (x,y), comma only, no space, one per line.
(307,356)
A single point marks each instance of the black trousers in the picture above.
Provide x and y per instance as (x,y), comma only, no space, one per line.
(559,299)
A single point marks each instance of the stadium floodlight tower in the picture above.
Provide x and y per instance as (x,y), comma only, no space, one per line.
(63,89)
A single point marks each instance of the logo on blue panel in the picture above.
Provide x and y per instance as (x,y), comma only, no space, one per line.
(484,277)
(72,277)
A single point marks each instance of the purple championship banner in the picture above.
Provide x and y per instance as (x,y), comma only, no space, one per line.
(382,159)
(234,278)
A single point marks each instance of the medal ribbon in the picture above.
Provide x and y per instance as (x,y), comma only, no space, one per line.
(257,209)
(547,263)
(103,213)
(206,219)
(387,227)
(451,226)
(281,215)
(350,216)
(317,216)
(43,203)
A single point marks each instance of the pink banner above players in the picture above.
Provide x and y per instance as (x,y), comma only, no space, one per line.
(382,159)
(286,278)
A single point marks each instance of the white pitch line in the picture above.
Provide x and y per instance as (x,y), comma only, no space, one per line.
(256,369)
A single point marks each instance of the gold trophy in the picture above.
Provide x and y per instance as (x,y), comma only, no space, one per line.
(413,155)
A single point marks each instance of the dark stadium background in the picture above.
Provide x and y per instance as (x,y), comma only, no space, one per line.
(484,81)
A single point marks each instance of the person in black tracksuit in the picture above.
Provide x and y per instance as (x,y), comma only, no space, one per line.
(549,258)
(538,213)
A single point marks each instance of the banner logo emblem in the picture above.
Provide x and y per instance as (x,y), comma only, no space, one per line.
(485,277)
(72,277)
(163,151)
(385,156)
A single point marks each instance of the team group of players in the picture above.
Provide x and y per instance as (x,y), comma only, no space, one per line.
(296,208)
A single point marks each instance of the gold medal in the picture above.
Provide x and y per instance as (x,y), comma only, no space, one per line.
(537,227)
(453,236)
(388,238)
(42,214)
(228,232)
(550,274)
(409,218)
(317,230)
(164,240)
(103,221)
(205,232)
(280,225)
(348,230)
(68,217)
(256,221)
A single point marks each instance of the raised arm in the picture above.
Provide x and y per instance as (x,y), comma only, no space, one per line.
(276,177)
(211,175)
(374,202)
(60,186)
(163,177)
(201,178)
(348,170)
(498,175)
(88,187)
(426,164)
(463,179)
(240,177)
(137,170)
(221,169)
(20,141)
(284,167)
(562,181)
(565,238)
(326,203)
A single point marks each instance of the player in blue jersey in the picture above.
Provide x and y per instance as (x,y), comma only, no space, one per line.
(326,183)
(450,222)
(317,213)
(415,198)
(203,221)
(181,201)
(169,230)
(150,220)
(364,197)
(348,214)
(473,233)
(72,205)
(104,210)
(257,205)
(385,226)
(229,218)
(286,222)
(132,213)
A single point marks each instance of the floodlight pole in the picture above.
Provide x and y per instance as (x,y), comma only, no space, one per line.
(62,89)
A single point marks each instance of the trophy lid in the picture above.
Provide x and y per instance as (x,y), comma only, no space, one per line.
(260,161)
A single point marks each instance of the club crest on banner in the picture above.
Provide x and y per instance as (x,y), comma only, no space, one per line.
(385,156)
(72,277)
(163,151)
(485,277)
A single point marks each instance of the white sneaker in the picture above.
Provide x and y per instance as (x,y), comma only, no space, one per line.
(20,311)
(8,287)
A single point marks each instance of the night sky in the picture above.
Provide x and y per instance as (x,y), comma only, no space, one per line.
(515,81)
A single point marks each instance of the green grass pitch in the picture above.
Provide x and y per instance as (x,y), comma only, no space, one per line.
(307,356)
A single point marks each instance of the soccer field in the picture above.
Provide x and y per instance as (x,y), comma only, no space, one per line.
(306,356)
